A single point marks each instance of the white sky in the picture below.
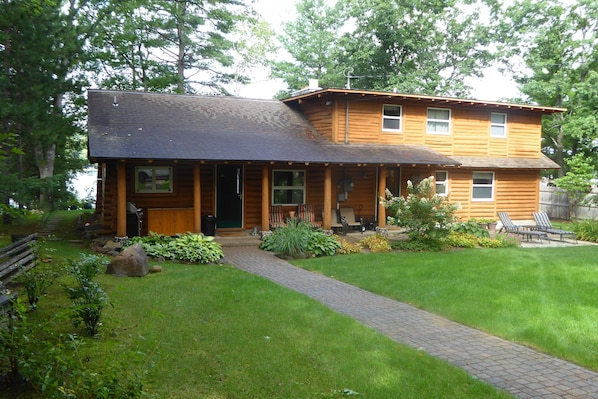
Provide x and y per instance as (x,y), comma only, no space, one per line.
(494,86)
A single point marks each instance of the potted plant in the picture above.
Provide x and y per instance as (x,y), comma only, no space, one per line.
(488,223)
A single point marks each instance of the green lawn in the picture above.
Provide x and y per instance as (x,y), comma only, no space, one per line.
(217,332)
(542,297)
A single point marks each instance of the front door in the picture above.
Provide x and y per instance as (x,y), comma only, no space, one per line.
(229,196)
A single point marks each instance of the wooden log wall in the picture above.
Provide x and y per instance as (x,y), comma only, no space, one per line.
(469,136)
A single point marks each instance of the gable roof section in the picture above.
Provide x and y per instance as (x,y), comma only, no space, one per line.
(140,125)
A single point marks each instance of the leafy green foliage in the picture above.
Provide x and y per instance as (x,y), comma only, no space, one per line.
(376,243)
(586,230)
(471,227)
(347,247)
(88,298)
(299,238)
(425,215)
(187,247)
(578,180)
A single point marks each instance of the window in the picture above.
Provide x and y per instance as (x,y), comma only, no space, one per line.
(442,182)
(483,186)
(391,117)
(439,120)
(153,179)
(288,187)
(498,125)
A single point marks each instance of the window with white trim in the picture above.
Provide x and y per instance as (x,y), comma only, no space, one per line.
(441,182)
(439,121)
(391,117)
(155,179)
(288,187)
(483,186)
(498,125)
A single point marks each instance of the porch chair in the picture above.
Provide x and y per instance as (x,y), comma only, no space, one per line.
(543,224)
(306,213)
(276,217)
(348,216)
(525,231)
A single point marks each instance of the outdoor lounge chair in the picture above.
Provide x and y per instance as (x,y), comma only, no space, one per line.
(525,231)
(276,217)
(306,213)
(543,224)
(348,216)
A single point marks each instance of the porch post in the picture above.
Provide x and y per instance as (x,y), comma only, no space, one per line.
(121,200)
(265,199)
(327,222)
(381,193)
(196,199)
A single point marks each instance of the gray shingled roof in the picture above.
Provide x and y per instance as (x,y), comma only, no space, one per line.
(135,125)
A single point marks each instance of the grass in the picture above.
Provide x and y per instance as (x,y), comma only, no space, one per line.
(217,332)
(541,297)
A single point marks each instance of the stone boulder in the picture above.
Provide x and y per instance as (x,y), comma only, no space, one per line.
(132,262)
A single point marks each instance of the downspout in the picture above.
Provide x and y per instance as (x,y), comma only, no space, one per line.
(347,122)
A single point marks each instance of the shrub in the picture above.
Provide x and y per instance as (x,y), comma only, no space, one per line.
(347,247)
(426,215)
(462,240)
(321,244)
(586,230)
(376,243)
(197,248)
(299,238)
(188,247)
(290,240)
(88,298)
(471,227)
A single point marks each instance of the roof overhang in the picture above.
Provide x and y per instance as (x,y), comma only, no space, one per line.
(506,163)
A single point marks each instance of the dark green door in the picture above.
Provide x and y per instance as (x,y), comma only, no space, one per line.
(229,196)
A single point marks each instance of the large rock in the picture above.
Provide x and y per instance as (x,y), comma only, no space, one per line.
(132,262)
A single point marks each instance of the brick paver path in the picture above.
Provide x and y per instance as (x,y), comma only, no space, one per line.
(516,369)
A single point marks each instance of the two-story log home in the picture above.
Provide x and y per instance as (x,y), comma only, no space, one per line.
(180,157)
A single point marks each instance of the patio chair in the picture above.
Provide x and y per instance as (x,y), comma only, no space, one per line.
(543,224)
(525,231)
(306,213)
(348,216)
(276,217)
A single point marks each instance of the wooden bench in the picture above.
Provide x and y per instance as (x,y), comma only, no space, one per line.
(14,260)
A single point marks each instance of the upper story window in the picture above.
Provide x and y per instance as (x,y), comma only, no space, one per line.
(441,182)
(156,179)
(483,186)
(439,121)
(288,187)
(391,117)
(498,125)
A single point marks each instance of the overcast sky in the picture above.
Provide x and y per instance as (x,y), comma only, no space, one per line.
(492,87)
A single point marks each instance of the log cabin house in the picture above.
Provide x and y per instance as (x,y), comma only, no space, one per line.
(180,158)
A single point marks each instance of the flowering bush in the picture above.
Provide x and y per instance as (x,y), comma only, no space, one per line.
(424,214)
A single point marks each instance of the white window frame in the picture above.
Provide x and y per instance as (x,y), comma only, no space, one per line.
(154,185)
(392,117)
(482,185)
(442,183)
(495,125)
(436,122)
(287,187)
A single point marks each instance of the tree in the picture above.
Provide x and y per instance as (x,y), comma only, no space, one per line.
(578,180)
(551,50)
(161,45)
(410,46)
(40,49)
(312,41)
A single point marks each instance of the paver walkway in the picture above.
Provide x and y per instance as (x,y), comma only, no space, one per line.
(516,369)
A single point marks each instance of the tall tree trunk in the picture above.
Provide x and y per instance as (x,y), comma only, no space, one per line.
(44,159)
